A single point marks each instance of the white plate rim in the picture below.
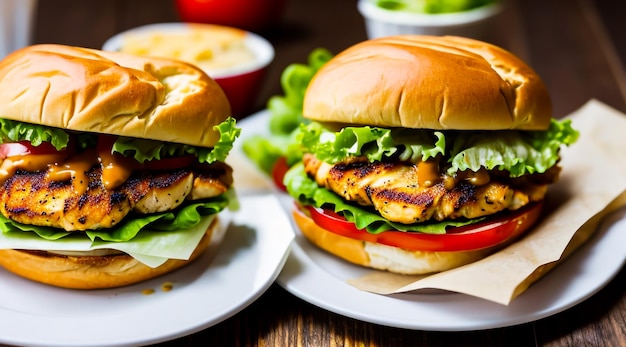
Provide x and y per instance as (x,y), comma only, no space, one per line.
(601,258)
(205,293)
(596,263)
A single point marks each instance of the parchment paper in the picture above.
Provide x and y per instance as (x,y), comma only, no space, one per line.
(592,184)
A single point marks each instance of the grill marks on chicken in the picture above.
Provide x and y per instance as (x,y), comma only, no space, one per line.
(392,189)
(32,198)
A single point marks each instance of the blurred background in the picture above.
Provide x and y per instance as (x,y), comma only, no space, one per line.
(304,25)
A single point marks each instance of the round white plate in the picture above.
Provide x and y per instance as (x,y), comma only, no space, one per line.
(578,278)
(320,279)
(206,292)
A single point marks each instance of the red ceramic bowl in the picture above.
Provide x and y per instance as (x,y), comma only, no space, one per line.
(238,58)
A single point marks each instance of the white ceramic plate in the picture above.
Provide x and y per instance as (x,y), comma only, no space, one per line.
(320,279)
(586,272)
(204,293)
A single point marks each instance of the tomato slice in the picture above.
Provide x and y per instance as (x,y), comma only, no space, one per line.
(12,149)
(472,237)
(278,173)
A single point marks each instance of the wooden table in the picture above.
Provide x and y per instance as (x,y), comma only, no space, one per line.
(579,49)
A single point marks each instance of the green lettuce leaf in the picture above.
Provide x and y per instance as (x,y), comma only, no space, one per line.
(181,218)
(140,149)
(374,143)
(266,151)
(306,191)
(152,248)
(518,152)
(145,150)
(149,239)
(286,110)
(14,131)
(285,114)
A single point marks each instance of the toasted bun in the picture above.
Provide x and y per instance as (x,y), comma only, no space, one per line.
(392,259)
(429,82)
(93,272)
(113,93)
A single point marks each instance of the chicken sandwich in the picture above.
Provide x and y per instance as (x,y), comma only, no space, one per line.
(111,165)
(423,153)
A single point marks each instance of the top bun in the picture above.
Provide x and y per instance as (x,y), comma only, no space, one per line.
(429,82)
(112,93)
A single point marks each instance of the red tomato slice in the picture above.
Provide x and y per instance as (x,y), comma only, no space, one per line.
(278,173)
(25,147)
(477,236)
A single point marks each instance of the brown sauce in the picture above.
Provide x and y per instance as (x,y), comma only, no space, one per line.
(428,174)
(115,168)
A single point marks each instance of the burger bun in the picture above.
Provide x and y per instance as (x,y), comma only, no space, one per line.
(114,93)
(428,82)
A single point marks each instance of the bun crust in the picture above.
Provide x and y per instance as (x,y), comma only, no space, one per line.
(388,258)
(429,82)
(113,93)
(93,272)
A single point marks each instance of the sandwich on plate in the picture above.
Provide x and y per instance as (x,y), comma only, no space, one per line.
(111,165)
(421,153)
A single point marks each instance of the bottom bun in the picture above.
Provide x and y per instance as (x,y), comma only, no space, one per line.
(93,272)
(388,258)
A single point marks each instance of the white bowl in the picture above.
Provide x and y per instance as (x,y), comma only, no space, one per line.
(240,82)
(473,23)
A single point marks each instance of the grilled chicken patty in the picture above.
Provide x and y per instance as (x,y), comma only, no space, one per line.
(393,189)
(33,198)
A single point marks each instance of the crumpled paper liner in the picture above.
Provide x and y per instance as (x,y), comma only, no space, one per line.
(592,185)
